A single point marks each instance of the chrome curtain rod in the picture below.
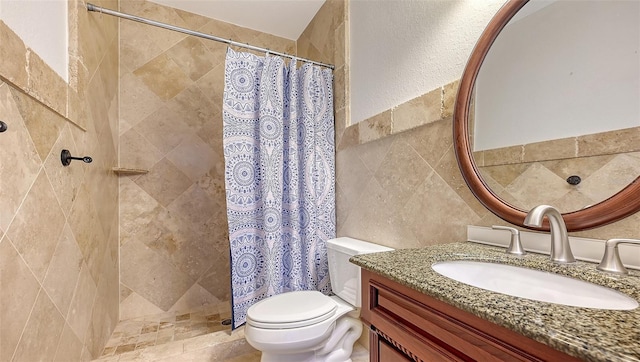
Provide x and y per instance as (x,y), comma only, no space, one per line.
(91,7)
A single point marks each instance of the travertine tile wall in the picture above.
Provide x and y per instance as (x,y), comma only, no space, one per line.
(174,252)
(402,188)
(59,225)
(398,182)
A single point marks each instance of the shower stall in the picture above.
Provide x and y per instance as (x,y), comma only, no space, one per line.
(174,242)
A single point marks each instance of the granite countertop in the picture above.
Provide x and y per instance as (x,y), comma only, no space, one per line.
(589,334)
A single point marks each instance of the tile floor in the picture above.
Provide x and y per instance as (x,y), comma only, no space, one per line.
(196,336)
(223,346)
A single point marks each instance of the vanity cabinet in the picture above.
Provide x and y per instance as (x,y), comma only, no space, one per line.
(406,325)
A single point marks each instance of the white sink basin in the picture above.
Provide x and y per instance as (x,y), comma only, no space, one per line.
(534,284)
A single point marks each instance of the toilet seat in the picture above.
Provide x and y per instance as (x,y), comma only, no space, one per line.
(292,310)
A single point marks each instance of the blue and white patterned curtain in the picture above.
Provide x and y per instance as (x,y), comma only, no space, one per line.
(279,176)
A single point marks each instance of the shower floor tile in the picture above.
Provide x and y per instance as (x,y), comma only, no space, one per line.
(153,330)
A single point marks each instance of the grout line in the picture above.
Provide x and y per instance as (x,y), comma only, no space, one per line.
(46,273)
(22,202)
(29,318)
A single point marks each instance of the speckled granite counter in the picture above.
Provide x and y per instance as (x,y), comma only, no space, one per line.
(589,334)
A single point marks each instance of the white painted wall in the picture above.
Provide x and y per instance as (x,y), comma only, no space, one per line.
(569,69)
(42,25)
(405,48)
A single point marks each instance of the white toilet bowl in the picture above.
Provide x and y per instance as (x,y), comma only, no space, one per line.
(308,326)
(323,333)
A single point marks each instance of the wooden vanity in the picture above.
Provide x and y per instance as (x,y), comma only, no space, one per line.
(416,314)
(406,325)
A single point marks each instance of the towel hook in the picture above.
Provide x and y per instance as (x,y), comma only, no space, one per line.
(3,127)
(65,157)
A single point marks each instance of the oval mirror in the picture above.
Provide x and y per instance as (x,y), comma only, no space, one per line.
(548,111)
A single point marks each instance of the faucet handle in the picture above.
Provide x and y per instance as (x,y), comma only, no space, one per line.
(515,246)
(611,260)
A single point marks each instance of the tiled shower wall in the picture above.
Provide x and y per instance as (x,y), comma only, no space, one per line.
(173,230)
(59,225)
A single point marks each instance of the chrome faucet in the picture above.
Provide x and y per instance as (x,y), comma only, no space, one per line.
(560,247)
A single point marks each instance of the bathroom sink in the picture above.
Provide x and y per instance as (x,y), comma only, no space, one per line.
(534,284)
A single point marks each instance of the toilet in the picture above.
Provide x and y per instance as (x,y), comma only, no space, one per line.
(307,326)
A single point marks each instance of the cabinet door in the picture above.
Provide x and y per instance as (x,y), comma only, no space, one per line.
(389,354)
(381,351)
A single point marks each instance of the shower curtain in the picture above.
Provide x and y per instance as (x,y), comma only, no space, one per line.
(279,176)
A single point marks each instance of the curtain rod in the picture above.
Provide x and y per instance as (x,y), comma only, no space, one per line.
(91,7)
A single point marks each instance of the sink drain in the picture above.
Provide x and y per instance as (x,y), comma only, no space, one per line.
(226,322)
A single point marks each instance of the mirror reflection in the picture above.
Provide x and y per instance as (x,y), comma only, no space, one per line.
(557,96)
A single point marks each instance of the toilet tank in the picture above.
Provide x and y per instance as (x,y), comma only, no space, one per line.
(345,276)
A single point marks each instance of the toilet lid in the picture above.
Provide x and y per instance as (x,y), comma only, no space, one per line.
(291,310)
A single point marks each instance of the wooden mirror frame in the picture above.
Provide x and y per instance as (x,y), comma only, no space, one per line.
(622,204)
